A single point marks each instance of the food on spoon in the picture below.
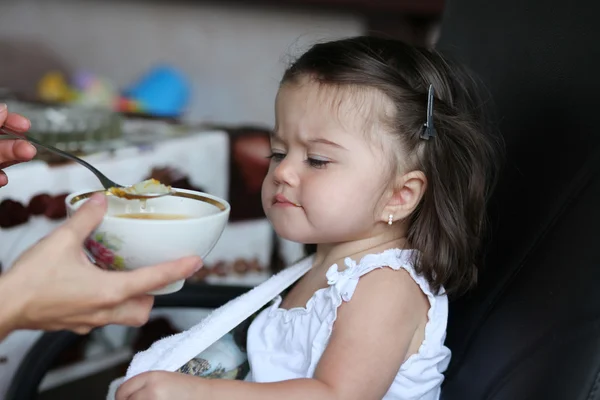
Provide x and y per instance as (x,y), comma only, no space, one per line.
(150,186)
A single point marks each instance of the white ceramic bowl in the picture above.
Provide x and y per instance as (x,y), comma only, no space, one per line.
(120,243)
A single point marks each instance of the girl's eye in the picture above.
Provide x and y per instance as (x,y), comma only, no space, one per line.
(312,162)
(316,163)
(277,157)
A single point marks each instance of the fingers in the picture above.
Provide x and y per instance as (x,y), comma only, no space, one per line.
(8,164)
(15,150)
(3,178)
(13,121)
(131,312)
(87,217)
(82,330)
(17,122)
(145,279)
(131,386)
(24,151)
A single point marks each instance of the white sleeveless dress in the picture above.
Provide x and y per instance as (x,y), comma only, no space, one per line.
(288,344)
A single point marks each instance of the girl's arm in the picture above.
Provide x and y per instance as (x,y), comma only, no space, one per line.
(369,343)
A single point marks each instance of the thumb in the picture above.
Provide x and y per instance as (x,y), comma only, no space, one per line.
(143,280)
(88,216)
(3,113)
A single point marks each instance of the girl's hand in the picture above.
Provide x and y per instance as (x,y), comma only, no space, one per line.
(13,151)
(158,385)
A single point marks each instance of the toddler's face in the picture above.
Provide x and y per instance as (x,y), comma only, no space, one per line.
(327,177)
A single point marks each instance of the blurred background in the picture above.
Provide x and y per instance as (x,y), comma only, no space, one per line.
(181,91)
(232,53)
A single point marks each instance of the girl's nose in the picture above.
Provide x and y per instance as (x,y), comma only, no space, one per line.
(285,173)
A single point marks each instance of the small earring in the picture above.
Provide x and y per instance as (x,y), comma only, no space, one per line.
(391,219)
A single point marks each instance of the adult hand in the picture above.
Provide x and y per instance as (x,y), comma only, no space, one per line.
(54,286)
(13,151)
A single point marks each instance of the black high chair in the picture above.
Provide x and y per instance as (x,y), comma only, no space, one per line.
(531,330)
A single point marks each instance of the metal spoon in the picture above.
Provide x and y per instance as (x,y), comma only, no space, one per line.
(106,183)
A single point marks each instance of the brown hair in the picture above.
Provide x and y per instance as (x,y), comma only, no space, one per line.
(460,163)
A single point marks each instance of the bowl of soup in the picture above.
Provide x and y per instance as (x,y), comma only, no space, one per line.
(141,233)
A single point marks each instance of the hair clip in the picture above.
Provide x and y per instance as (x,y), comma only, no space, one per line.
(428,128)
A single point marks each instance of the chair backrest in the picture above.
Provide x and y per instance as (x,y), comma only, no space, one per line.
(531,330)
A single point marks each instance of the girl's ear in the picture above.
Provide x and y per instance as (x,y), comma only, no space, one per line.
(407,192)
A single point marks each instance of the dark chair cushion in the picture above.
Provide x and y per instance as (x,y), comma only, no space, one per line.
(530,329)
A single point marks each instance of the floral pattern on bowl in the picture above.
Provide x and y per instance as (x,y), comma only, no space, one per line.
(103,247)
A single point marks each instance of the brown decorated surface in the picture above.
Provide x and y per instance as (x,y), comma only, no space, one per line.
(240,266)
(14,213)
